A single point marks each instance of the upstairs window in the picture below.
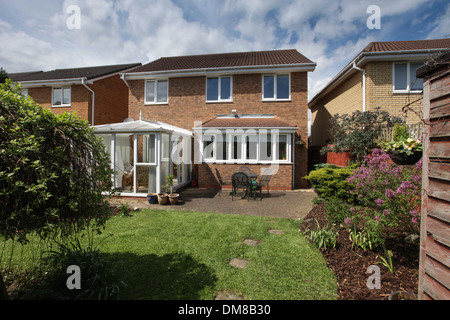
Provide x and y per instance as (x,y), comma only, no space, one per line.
(404,77)
(276,87)
(61,97)
(218,89)
(156,91)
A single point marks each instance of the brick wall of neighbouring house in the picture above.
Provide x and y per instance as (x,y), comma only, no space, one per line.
(111,100)
(187,104)
(80,100)
(379,93)
(345,98)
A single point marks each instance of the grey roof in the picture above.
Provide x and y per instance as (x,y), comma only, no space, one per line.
(71,73)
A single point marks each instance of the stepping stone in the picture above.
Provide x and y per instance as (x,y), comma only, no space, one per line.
(229,295)
(251,242)
(238,263)
(272,231)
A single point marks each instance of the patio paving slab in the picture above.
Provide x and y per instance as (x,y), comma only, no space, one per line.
(281,204)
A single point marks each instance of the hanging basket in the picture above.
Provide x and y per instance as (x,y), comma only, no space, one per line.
(401,158)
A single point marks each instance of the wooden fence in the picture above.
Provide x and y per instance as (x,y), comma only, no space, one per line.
(415,131)
(434,265)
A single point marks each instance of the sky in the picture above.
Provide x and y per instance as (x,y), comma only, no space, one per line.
(50,34)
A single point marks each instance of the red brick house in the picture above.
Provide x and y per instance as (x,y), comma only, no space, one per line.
(245,109)
(96,94)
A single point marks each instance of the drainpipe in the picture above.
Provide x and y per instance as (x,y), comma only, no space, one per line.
(93,99)
(363,84)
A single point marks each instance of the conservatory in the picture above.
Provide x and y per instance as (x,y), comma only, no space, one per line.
(143,153)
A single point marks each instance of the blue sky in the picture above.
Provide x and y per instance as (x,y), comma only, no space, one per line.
(34,34)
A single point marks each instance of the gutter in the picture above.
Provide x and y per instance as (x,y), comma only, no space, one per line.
(93,100)
(306,67)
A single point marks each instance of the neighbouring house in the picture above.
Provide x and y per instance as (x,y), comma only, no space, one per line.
(96,94)
(382,75)
(213,111)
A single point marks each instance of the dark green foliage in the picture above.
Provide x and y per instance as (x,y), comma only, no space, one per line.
(53,170)
(357,132)
(331,182)
(97,277)
(3,75)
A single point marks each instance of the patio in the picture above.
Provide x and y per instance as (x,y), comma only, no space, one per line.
(281,204)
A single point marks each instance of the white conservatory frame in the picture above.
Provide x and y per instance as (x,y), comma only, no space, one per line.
(159,148)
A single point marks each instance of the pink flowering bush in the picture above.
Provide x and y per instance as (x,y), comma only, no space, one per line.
(389,195)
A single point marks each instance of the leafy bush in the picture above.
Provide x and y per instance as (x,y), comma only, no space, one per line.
(357,132)
(336,210)
(332,182)
(389,195)
(53,170)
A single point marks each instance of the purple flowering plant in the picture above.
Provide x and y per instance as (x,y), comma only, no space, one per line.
(389,195)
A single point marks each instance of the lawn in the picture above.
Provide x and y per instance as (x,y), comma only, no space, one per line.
(164,254)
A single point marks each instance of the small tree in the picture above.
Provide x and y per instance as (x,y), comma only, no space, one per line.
(357,132)
(53,170)
(3,75)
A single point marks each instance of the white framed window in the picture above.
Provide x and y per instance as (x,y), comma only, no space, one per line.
(276,87)
(219,89)
(247,147)
(156,92)
(61,97)
(404,77)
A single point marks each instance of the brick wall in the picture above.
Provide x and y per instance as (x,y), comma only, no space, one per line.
(379,93)
(345,98)
(80,100)
(187,104)
(279,181)
(111,100)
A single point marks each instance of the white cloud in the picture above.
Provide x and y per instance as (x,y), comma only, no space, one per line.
(328,32)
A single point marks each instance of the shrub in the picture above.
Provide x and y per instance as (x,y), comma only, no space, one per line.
(332,182)
(390,196)
(357,132)
(97,277)
(336,210)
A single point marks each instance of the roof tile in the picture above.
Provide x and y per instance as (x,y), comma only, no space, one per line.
(225,60)
(84,72)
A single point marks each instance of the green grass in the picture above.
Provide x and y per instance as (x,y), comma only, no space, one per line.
(166,254)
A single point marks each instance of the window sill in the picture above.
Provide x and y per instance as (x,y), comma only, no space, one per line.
(219,101)
(406,92)
(154,103)
(276,100)
(62,106)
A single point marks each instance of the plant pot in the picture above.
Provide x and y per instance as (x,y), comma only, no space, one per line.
(163,198)
(401,158)
(173,198)
(402,295)
(152,198)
